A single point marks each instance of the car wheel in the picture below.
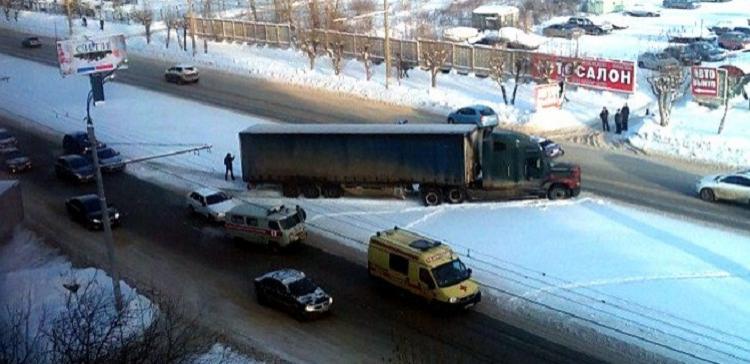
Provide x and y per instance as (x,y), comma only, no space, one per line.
(558,193)
(451,121)
(191,210)
(707,195)
(262,299)
(640,64)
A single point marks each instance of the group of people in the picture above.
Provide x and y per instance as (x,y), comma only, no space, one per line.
(621,119)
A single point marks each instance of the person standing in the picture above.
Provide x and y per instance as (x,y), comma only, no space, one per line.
(625,116)
(604,115)
(618,122)
(228,164)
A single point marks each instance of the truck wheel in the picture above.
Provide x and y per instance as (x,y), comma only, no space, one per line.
(332,191)
(558,193)
(290,190)
(455,195)
(311,191)
(432,196)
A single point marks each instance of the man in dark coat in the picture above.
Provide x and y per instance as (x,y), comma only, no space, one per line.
(228,164)
(618,122)
(604,115)
(625,115)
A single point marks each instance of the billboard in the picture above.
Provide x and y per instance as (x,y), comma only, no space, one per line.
(546,95)
(85,56)
(603,74)
(704,81)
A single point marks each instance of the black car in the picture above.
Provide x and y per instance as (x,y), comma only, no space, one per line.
(293,292)
(87,211)
(78,143)
(31,42)
(75,168)
(685,55)
(14,160)
(110,160)
(7,140)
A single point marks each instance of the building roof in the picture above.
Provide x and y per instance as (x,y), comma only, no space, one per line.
(496,9)
(272,128)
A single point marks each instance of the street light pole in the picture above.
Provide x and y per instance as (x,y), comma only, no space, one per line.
(387,43)
(109,241)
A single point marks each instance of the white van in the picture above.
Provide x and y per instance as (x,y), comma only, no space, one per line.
(276,226)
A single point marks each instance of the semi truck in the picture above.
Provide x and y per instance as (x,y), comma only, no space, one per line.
(445,163)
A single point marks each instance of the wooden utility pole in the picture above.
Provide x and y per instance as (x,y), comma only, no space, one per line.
(387,43)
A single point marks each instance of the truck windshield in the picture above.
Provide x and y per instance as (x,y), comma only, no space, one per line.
(290,221)
(451,273)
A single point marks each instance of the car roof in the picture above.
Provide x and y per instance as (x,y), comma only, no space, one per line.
(78,134)
(206,191)
(87,197)
(184,65)
(285,276)
(70,157)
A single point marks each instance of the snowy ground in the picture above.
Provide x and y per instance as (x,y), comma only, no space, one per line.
(33,273)
(692,134)
(666,284)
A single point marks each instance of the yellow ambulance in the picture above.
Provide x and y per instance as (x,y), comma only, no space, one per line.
(422,266)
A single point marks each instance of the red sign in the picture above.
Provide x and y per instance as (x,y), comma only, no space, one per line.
(704,81)
(546,95)
(604,74)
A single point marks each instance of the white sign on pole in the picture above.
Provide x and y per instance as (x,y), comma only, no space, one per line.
(85,56)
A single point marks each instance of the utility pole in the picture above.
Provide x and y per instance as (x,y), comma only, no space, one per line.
(386,43)
(191,20)
(109,241)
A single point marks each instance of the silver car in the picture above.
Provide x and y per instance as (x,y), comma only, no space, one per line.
(729,187)
(182,73)
(657,61)
(479,115)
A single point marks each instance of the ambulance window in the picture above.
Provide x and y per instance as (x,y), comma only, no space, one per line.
(398,264)
(236,219)
(274,225)
(251,221)
(426,278)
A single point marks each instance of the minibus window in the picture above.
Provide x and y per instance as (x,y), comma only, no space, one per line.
(236,219)
(251,221)
(426,278)
(398,264)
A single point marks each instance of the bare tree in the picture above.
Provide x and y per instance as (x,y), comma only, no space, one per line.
(665,84)
(314,11)
(145,16)
(206,11)
(360,7)
(253,9)
(366,57)
(7,5)
(309,42)
(544,69)
(21,340)
(735,87)
(70,7)
(435,55)
(521,67)
(171,21)
(498,72)
(335,50)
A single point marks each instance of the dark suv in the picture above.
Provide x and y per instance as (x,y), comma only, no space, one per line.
(78,143)
(87,211)
(686,56)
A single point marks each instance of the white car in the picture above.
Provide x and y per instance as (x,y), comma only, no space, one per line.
(643,10)
(211,203)
(730,187)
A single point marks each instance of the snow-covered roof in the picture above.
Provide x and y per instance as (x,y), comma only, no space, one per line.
(519,36)
(460,33)
(271,128)
(496,9)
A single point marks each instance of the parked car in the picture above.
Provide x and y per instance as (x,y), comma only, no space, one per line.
(743,30)
(550,148)
(7,140)
(686,56)
(708,51)
(656,61)
(75,168)
(490,40)
(31,42)
(86,210)
(479,115)
(211,203)
(734,41)
(643,10)
(729,187)
(589,26)
(292,291)
(15,161)
(720,29)
(680,4)
(78,143)
(182,73)
(564,30)
(110,160)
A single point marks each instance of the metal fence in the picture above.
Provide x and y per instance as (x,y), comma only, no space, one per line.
(464,58)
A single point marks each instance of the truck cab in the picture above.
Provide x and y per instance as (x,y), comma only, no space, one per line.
(275,226)
(514,164)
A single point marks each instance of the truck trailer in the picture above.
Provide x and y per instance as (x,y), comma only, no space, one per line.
(448,163)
